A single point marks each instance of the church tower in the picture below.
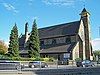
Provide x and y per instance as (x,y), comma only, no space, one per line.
(85,17)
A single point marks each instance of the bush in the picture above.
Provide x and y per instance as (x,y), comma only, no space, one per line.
(51,59)
(15,58)
(25,59)
(37,58)
(32,58)
(4,56)
(29,59)
(78,59)
(45,59)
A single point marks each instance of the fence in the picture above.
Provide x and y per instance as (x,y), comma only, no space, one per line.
(27,70)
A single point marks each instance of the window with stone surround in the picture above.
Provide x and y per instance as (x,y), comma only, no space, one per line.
(41,42)
(53,41)
(68,40)
(73,38)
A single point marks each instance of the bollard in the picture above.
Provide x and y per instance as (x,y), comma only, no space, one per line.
(40,65)
(19,68)
(56,63)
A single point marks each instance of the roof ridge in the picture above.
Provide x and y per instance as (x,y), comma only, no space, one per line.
(58,25)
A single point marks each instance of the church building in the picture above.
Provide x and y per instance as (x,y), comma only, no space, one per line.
(68,40)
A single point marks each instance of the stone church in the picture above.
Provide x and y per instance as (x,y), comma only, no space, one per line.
(68,40)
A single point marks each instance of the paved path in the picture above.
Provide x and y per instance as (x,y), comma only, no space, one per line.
(78,71)
(50,71)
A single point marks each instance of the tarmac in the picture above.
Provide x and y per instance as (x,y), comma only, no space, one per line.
(16,73)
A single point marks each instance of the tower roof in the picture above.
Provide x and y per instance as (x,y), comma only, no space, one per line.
(84,10)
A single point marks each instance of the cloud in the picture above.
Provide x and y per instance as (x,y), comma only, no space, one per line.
(58,2)
(10,7)
(96,44)
(62,2)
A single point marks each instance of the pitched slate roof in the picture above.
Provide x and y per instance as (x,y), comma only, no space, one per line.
(21,40)
(23,51)
(59,49)
(59,30)
(54,31)
(56,49)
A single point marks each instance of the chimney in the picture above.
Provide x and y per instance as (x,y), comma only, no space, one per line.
(26,32)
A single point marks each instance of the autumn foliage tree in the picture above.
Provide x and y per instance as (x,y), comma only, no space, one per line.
(3,47)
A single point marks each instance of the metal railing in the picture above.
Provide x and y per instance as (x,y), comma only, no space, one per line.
(51,65)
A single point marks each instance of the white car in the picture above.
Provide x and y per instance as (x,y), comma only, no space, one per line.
(7,64)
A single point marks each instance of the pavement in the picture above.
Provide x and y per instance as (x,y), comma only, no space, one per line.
(54,70)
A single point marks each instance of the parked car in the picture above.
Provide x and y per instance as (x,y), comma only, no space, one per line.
(98,62)
(40,64)
(9,64)
(85,63)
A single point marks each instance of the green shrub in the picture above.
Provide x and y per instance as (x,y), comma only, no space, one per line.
(37,58)
(51,59)
(25,59)
(45,59)
(32,58)
(15,58)
(4,56)
(78,59)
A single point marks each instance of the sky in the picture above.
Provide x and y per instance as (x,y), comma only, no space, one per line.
(47,13)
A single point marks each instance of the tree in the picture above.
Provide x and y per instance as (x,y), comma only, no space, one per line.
(96,55)
(3,47)
(13,44)
(33,46)
(96,52)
